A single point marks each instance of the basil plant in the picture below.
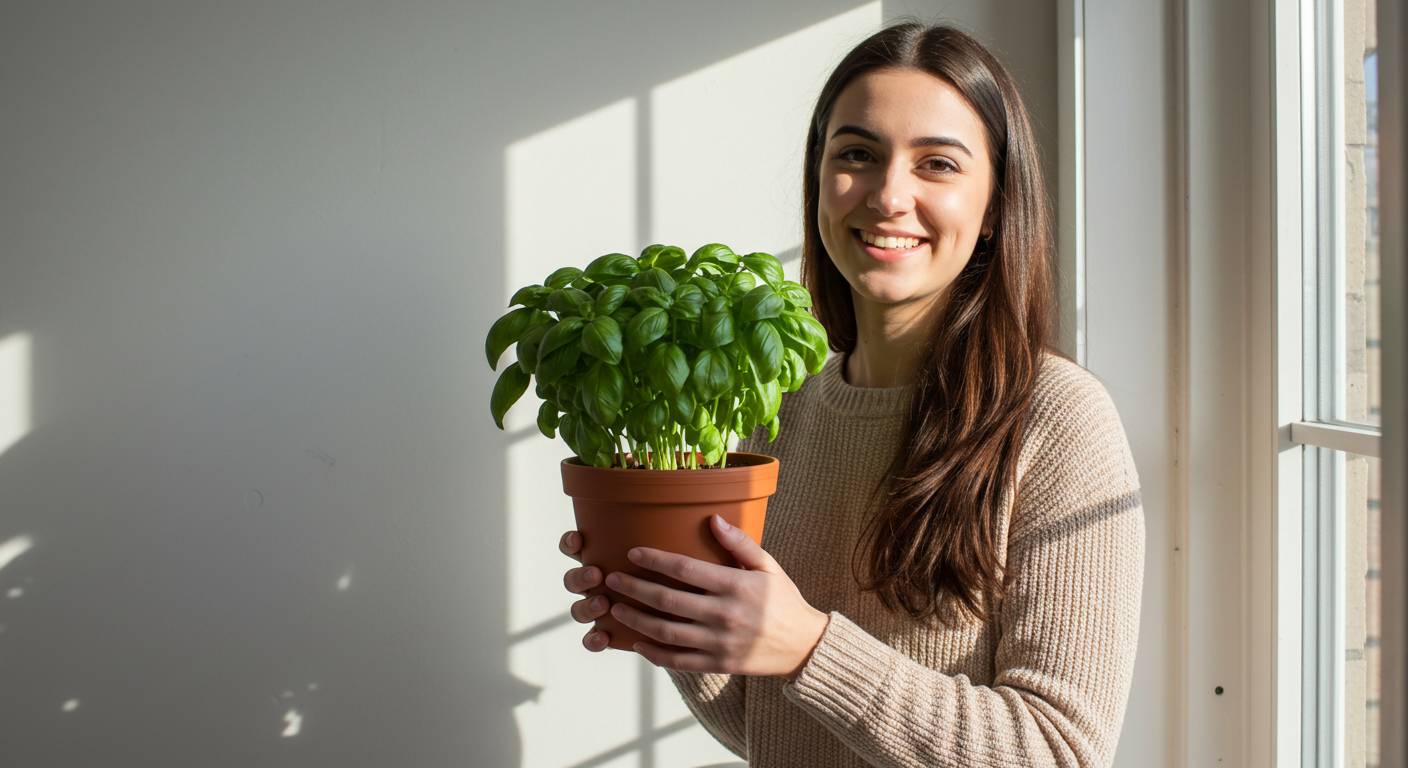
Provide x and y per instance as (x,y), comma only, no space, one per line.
(658,356)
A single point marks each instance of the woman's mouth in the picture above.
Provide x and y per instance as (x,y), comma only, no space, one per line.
(888,249)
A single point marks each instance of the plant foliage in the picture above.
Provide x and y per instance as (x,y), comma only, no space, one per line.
(658,356)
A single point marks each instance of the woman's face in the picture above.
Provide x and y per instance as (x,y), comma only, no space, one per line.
(904,155)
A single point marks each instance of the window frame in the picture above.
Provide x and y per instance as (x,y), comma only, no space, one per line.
(1307,186)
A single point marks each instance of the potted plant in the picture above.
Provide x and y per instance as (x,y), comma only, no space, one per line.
(646,366)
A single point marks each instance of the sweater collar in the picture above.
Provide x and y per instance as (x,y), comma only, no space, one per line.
(839,395)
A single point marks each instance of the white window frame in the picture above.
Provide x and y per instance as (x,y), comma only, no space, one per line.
(1304,501)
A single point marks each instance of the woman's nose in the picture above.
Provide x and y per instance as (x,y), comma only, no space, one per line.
(893,196)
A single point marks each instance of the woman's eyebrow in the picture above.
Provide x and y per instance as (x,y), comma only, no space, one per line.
(923,141)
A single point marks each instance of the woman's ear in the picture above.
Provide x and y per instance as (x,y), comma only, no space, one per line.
(989,222)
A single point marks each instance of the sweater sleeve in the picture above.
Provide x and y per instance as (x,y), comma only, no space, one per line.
(716,701)
(1069,622)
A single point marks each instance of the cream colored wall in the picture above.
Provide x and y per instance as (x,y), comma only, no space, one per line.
(253,510)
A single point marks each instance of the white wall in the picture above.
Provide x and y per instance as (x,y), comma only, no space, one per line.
(252,507)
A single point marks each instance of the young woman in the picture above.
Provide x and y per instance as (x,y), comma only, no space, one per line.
(950,572)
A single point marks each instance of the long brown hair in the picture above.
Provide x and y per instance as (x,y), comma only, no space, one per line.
(934,541)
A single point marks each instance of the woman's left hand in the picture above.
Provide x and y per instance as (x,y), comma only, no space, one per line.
(750,621)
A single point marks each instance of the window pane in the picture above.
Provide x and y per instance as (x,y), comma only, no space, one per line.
(1356,333)
(1360,494)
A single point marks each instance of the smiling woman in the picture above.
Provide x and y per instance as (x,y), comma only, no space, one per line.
(951,568)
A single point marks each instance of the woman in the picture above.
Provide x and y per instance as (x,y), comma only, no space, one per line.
(979,485)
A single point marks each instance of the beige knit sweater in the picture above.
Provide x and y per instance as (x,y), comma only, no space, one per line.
(1044,682)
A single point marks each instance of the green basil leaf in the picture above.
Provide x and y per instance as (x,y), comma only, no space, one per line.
(766,266)
(668,368)
(649,325)
(765,350)
(567,394)
(602,339)
(711,375)
(535,296)
(796,296)
(512,383)
(611,298)
(547,420)
(769,401)
(773,427)
(561,278)
(798,366)
(715,324)
(687,331)
(570,302)
(567,428)
(739,285)
(668,258)
(505,331)
(741,422)
(654,277)
(650,296)
(557,363)
(711,444)
(566,332)
(713,253)
(527,348)
(815,337)
(657,416)
(603,389)
(624,313)
(688,302)
(612,267)
(682,408)
(701,417)
(649,254)
(760,304)
(709,287)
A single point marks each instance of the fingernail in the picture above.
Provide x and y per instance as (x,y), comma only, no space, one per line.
(723,523)
(589,574)
(598,603)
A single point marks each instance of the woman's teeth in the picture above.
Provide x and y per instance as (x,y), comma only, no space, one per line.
(889,242)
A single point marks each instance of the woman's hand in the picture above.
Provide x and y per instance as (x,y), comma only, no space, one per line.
(579,580)
(749,622)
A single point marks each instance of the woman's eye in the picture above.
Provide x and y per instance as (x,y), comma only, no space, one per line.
(852,154)
(942,165)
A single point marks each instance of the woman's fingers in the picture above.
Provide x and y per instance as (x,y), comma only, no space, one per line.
(666,631)
(570,544)
(589,609)
(580,580)
(596,640)
(672,601)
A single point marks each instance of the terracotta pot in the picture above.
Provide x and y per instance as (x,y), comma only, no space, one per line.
(617,509)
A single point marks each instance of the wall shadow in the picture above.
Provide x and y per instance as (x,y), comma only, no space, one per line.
(257,247)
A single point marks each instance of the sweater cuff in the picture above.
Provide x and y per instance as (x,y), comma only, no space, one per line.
(845,674)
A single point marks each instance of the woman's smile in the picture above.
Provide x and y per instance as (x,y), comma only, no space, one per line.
(888,248)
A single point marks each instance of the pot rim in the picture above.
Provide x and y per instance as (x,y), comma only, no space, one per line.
(763,461)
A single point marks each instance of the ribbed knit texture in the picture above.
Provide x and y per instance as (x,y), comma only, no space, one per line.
(1043,683)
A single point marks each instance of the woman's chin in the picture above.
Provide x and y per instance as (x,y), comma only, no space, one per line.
(887,294)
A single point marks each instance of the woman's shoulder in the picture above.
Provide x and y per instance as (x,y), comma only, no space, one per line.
(1066,390)
(1073,418)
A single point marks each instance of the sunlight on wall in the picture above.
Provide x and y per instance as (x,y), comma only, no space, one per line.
(728,140)
(13,548)
(725,159)
(561,212)
(16,361)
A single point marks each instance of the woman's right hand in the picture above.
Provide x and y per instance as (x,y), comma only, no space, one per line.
(578,581)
